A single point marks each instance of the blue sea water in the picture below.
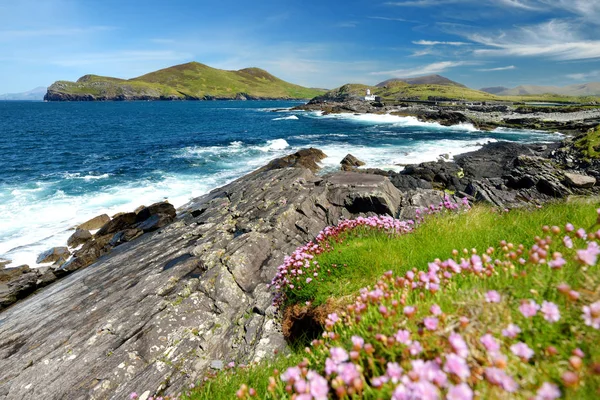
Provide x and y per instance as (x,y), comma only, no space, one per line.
(63,163)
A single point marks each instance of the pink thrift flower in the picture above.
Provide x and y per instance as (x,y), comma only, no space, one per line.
(338,355)
(461,391)
(569,227)
(498,377)
(301,386)
(589,256)
(133,395)
(435,310)
(319,388)
(557,262)
(550,311)
(379,381)
(591,315)
(490,343)
(308,280)
(529,308)
(568,242)
(580,233)
(522,350)
(459,345)
(409,311)
(415,348)
(348,372)
(291,374)
(458,366)
(511,331)
(394,372)
(403,337)
(548,391)
(358,342)
(431,323)
(492,297)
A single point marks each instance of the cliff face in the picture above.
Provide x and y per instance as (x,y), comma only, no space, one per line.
(192,81)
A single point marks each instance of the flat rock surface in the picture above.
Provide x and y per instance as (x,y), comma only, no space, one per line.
(157,313)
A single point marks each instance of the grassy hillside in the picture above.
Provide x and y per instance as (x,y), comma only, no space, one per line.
(186,81)
(589,143)
(516,314)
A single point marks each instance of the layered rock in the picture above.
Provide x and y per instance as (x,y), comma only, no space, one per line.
(156,313)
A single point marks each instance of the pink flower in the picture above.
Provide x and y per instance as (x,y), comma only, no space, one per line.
(529,308)
(403,337)
(435,310)
(462,391)
(431,323)
(459,345)
(490,343)
(568,242)
(415,348)
(557,262)
(511,331)
(133,395)
(409,311)
(394,372)
(319,388)
(589,256)
(348,372)
(492,297)
(308,280)
(291,374)
(522,350)
(591,315)
(458,366)
(358,342)
(550,311)
(498,377)
(548,391)
(338,355)
(379,381)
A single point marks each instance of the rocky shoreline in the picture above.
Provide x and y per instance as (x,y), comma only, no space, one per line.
(567,119)
(166,305)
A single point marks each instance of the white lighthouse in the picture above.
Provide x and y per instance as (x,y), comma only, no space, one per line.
(369,96)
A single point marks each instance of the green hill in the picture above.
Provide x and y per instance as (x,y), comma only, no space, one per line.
(191,81)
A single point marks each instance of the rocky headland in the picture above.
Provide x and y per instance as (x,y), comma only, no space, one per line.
(565,119)
(152,310)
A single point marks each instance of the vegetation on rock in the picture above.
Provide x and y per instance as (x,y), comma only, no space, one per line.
(589,143)
(520,320)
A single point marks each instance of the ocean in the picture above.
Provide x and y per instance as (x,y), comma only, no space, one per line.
(63,163)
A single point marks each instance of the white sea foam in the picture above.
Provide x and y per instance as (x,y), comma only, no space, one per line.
(382,119)
(288,118)
(277,144)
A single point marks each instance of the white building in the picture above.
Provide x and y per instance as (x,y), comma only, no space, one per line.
(369,96)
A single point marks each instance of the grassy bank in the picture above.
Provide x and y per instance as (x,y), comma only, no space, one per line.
(405,328)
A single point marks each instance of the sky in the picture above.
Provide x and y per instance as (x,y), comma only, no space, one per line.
(324,43)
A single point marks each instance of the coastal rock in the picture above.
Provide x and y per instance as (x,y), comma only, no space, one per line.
(350,162)
(153,314)
(54,255)
(579,180)
(4,263)
(79,237)
(118,223)
(306,158)
(164,208)
(94,223)
(16,283)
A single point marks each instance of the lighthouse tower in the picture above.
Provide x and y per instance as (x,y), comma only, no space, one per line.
(369,96)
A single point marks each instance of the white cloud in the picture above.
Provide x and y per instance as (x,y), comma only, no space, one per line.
(507,68)
(436,43)
(584,76)
(434,68)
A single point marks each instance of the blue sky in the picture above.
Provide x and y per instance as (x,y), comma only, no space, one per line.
(312,43)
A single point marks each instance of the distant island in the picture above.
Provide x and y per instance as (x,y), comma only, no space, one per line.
(190,81)
(580,89)
(36,94)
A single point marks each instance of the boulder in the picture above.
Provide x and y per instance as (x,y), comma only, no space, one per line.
(492,160)
(87,255)
(350,162)
(305,158)
(79,237)
(95,223)
(164,208)
(54,255)
(119,223)
(579,180)
(16,283)
(154,223)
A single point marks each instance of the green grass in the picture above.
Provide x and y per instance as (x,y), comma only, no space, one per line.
(589,144)
(191,80)
(363,257)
